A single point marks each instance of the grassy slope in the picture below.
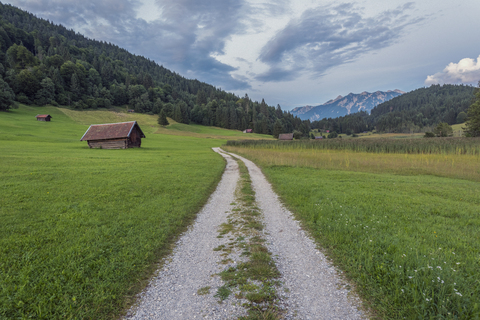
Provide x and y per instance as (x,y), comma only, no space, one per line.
(82,228)
(150,122)
(380,227)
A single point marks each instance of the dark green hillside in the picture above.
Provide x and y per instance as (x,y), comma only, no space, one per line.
(44,63)
(424,107)
(415,111)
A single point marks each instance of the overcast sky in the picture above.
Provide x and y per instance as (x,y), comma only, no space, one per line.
(290,52)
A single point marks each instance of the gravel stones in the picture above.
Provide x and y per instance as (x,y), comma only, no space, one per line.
(172,294)
(311,286)
(311,282)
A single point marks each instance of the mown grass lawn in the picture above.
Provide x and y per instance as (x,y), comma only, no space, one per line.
(81,229)
(409,242)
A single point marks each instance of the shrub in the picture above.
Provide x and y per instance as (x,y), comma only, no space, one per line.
(332,135)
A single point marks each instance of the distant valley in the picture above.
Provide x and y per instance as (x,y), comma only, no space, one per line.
(342,106)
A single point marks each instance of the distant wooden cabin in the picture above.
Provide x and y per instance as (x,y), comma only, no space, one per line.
(131,110)
(121,135)
(318,137)
(285,136)
(248,131)
(43,117)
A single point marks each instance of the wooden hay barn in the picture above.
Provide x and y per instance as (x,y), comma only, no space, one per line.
(121,135)
(285,136)
(43,117)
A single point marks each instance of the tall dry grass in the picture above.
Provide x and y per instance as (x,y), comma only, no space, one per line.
(450,165)
(441,146)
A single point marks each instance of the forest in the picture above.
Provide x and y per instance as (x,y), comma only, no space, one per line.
(416,111)
(44,63)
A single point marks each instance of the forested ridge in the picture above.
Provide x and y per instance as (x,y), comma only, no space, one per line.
(44,63)
(416,111)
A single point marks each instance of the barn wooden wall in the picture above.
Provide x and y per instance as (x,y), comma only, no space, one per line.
(108,144)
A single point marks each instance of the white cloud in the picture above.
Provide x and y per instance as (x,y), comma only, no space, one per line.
(465,71)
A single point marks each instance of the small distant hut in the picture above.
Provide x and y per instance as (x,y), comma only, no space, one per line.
(318,137)
(131,110)
(285,136)
(248,131)
(43,117)
(121,135)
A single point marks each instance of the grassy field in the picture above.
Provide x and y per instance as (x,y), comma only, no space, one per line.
(462,166)
(404,228)
(441,146)
(150,122)
(82,229)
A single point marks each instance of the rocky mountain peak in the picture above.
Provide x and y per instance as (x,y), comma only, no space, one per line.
(341,106)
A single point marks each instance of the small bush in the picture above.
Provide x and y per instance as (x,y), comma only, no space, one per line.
(332,135)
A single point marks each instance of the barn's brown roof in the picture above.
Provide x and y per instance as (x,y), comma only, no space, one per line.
(43,116)
(111,131)
(285,136)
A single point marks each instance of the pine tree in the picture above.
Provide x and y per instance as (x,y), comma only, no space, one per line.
(47,93)
(75,87)
(473,120)
(277,128)
(162,119)
(177,113)
(6,96)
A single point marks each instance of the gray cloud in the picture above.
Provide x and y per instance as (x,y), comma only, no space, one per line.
(80,13)
(184,38)
(329,36)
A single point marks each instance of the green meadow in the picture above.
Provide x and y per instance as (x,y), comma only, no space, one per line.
(83,229)
(402,227)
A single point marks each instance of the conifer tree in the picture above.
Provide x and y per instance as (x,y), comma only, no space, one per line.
(277,128)
(473,119)
(177,113)
(6,96)
(162,119)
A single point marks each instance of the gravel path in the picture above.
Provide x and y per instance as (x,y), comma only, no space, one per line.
(312,286)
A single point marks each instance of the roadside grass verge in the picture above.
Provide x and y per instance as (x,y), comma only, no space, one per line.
(410,243)
(82,230)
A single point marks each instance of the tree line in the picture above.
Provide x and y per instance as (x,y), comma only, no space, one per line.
(416,111)
(42,63)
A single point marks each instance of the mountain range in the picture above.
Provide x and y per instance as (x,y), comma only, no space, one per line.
(342,106)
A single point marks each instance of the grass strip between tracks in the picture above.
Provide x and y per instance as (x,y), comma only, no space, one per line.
(257,279)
